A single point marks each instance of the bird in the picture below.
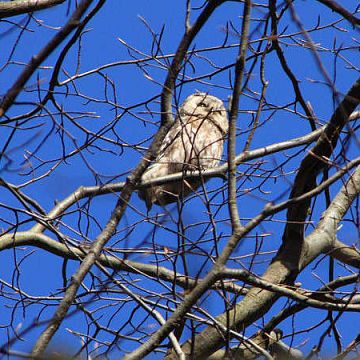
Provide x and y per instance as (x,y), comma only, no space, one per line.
(194,142)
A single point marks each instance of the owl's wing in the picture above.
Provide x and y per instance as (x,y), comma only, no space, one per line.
(171,138)
(162,165)
(187,145)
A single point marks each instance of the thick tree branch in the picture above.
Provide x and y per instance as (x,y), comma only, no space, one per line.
(324,238)
(334,6)
(271,341)
(18,7)
(312,164)
(329,287)
(265,338)
(306,297)
(344,253)
(41,241)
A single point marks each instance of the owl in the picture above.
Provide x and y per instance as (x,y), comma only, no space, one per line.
(194,142)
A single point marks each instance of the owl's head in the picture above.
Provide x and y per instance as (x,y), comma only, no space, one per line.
(208,107)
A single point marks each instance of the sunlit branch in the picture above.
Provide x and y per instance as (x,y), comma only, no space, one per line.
(233,116)
(18,7)
(291,310)
(349,255)
(41,241)
(305,297)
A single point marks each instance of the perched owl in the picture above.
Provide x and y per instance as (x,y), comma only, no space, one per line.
(194,142)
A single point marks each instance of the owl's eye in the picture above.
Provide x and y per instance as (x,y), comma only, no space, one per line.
(202,104)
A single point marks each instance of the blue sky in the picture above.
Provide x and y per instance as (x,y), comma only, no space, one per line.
(109,162)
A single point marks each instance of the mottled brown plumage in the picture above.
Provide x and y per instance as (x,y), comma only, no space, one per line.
(194,142)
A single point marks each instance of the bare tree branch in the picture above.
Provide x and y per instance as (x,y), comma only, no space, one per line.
(18,7)
(41,241)
(305,297)
(289,311)
(344,253)
(38,59)
(334,6)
